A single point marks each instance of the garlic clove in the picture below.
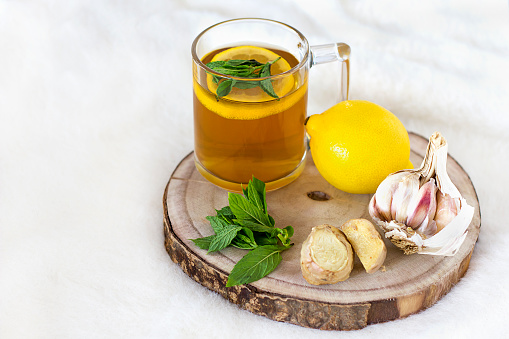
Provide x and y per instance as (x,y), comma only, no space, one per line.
(448,239)
(384,193)
(373,209)
(447,209)
(407,188)
(422,207)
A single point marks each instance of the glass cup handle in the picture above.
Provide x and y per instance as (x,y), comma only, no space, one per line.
(339,52)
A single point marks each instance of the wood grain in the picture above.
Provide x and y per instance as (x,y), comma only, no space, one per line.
(408,284)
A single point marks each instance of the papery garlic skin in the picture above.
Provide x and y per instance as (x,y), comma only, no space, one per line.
(427,214)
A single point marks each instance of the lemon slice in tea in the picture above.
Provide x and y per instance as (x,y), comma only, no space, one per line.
(281,86)
(253,103)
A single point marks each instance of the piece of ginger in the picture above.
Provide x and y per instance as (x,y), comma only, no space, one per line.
(326,256)
(366,242)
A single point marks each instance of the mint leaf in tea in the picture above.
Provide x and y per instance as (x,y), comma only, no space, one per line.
(242,69)
(248,62)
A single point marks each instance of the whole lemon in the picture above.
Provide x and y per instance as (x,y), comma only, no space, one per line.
(356,144)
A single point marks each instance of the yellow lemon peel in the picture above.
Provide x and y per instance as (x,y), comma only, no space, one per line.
(356,144)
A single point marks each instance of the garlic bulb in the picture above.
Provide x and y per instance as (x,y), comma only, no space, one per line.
(421,210)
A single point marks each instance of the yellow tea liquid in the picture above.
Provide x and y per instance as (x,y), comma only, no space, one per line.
(260,136)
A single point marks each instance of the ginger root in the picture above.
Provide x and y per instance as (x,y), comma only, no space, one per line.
(367,243)
(326,256)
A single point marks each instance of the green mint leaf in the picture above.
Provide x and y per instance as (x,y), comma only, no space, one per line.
(243,245)
(246,210)
(215,64)
(285,235)
(264,239)
(266,85)
(257,227)
(243,69)
(226,214)
(274,61)
(203,243)
(255,265)
(272,222)
(259,187)
(236,62)
(265,71)
(232,65)
(232,71)
(289,230)
(223,239)
(246,84)
(245,191)
(224,88)
(253,62)
(255,198)
(244,241)
(217,223)
(249,234)
(284,238)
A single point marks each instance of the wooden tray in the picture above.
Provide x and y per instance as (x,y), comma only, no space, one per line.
(408,284)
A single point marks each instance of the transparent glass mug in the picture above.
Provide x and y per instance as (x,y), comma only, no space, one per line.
(247,132)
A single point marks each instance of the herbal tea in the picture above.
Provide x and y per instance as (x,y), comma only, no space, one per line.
(251,128)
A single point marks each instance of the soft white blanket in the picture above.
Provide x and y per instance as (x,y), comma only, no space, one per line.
(96,112)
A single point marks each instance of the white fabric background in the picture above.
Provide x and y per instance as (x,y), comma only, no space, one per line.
(96,112)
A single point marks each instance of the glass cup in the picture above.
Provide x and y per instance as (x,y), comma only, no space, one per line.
(248,132)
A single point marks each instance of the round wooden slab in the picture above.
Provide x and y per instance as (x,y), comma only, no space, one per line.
(407,285)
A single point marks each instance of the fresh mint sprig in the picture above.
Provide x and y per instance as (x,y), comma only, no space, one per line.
(242,69)
(246,224)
